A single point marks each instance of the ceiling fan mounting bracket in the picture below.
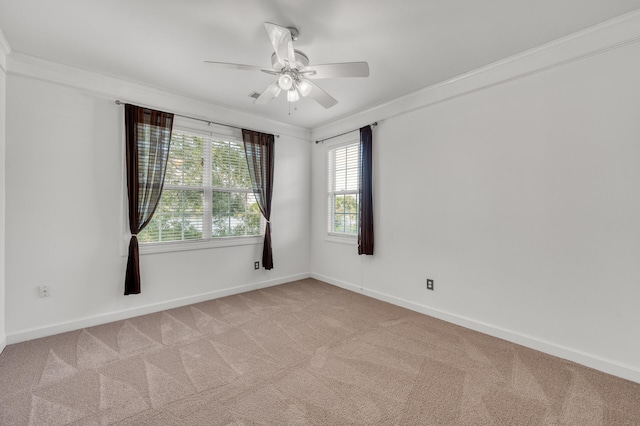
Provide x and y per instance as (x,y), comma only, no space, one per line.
(302,60)
(294,33)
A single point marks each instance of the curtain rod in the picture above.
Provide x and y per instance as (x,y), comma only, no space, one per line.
(341,134)
(209,122)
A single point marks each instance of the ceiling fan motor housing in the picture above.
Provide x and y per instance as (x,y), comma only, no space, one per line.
(302,60)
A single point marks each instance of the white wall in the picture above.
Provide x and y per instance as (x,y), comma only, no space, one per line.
(521,199)
(4,50)
(65,214)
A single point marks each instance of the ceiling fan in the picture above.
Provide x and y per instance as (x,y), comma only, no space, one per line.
(294,74)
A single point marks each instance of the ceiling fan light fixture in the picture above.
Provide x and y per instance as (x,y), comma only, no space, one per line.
(285,81)
(292,95)
(304,87)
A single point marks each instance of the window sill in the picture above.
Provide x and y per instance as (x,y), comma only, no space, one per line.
(152,248)
(351,240)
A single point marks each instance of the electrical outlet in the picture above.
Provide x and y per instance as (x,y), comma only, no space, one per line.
(429,284)
(44,291)
(256,265)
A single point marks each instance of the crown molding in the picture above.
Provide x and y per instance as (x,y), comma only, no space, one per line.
(5,49)
(114,88)
(604,37)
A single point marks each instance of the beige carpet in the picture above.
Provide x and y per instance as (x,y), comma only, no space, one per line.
(299,353)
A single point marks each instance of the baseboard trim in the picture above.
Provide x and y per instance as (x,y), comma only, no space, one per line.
(36,333)
(3,343)
(577,356)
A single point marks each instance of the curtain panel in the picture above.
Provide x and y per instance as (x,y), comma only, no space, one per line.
(259,150)
(365,219)
(147,138)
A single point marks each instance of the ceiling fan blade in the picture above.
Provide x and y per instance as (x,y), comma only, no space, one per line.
(282,44)
(270,93)
(321,97)
(238,66)
(344,69)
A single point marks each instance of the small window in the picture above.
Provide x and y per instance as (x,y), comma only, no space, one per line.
(343,193)
(207,192)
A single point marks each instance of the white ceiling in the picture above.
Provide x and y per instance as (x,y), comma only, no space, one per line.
(409,44)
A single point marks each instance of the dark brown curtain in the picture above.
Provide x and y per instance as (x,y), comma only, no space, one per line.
(259,150)
(365,219)
(148,136)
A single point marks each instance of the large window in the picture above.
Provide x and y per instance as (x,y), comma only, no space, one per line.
(207,192)
(343,202)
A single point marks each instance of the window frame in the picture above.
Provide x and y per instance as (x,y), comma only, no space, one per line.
(210,131)
(339,237)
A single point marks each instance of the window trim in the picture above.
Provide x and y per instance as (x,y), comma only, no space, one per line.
(212,131)
(337,237)
(351,240)
(218,242)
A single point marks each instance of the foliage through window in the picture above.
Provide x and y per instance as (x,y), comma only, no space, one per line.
(343,191)
(207,192)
